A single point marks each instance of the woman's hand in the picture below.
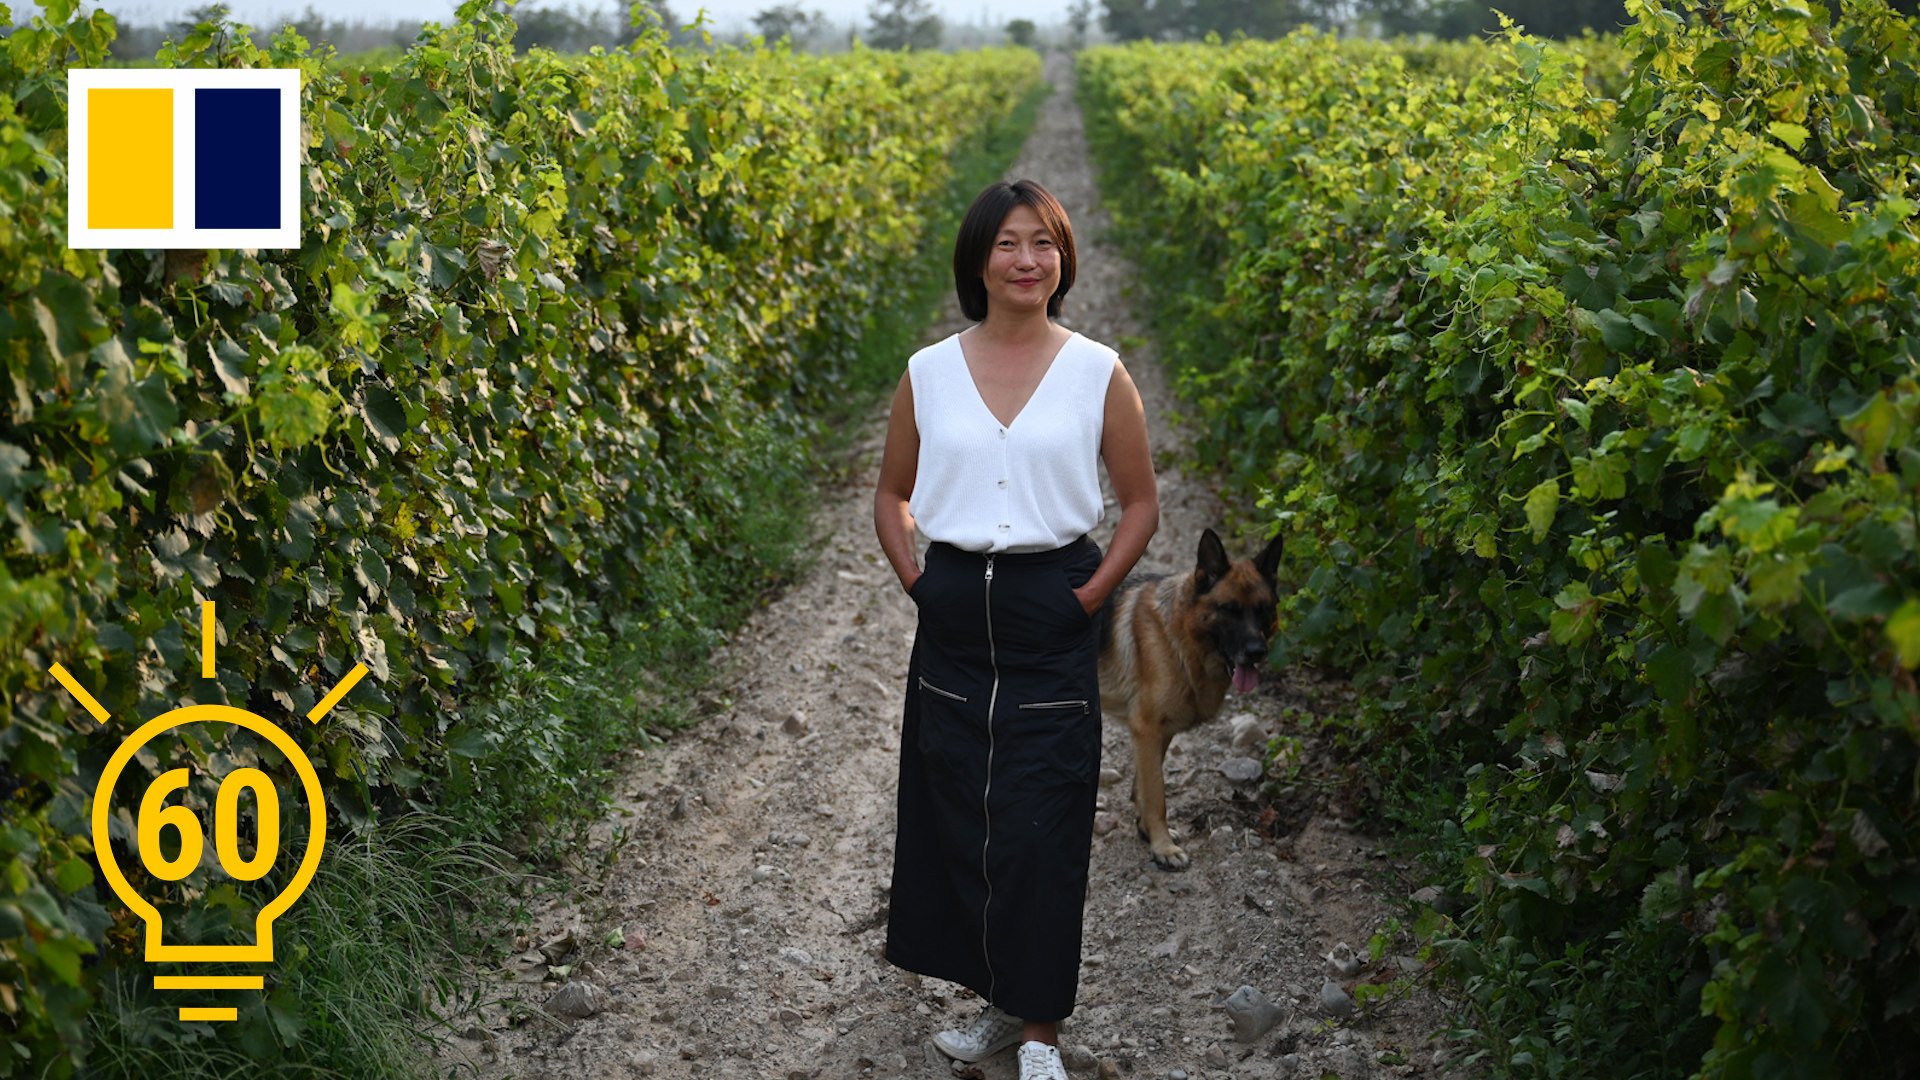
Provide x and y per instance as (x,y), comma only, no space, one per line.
(1084,606)
(908,585)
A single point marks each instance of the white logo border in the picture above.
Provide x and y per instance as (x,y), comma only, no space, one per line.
(182,82)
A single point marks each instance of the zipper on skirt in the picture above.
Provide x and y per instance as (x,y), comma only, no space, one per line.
(985,813)
(925,685)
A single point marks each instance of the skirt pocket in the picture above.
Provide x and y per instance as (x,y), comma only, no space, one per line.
(1060,738)
(952,737)
(929,687)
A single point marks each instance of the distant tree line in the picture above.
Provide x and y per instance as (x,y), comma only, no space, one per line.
(1128,20)
(561,29)
(580,28)
(790,21)
(893,24)
(900,24)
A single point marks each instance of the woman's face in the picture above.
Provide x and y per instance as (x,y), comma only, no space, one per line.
(1023,267)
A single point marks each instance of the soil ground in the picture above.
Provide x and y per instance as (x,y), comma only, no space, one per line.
(745,866)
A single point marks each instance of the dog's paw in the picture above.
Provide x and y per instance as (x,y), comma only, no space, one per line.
(1170,857)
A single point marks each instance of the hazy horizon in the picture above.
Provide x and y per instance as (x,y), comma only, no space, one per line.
(722,15)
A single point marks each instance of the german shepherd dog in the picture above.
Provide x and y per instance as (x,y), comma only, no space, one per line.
(1169,648)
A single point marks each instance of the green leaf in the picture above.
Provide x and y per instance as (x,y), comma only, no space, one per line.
(1542,501)
(1655,563)
(1705,571)
(1774,580)
(1718,616)
(69,316)
(340,128)
(283,1009)
(13,470)
(1671,669)
(1833,459)
(385,415)
(230,365)
(1814,215)
(1790,1001)
(371,569)
(359,322)
(292,416)
(61,955)
(1692,439)
(1533,883)
(1593,287)
(73,875)
(1792,134)
(138,416)
(1903,631)
(1616,330)
(1762,524)
(1577,616)
(514,293)
(469,740)
(1600,476)
(1795,411)
(1871,427)
(513,597)
(1862,602)
(228,293)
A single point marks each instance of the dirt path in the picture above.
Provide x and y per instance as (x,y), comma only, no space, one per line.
(752,894)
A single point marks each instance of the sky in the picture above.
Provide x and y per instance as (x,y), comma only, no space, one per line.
(723,14)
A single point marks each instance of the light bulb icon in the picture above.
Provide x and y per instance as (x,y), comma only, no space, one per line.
(155,816)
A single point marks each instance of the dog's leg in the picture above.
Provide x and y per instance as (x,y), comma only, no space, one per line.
(1150,782)
(1133,789)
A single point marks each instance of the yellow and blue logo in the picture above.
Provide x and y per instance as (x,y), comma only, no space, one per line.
(183,159)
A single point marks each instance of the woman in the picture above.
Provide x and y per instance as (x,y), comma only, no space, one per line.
(993,450)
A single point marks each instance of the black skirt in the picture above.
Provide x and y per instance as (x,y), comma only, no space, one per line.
(999,767)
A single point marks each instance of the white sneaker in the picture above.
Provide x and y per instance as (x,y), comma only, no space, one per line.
(1041,1061)
(991,1032)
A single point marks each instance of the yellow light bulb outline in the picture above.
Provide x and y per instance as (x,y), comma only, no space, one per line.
(262,948)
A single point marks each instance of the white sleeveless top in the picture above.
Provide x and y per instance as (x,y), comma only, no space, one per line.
(1031,485)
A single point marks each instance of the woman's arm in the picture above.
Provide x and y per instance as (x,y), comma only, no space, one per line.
(892,521)
(1123,446)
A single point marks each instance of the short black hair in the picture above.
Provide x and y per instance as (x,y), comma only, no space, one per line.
(982,224)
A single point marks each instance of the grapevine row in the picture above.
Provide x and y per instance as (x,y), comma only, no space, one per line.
(548,315)
(1585,382)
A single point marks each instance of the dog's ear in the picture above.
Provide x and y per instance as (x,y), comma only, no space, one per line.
(1268,561)
(1212,562)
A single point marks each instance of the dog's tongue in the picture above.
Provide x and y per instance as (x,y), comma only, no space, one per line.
(1245,678)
